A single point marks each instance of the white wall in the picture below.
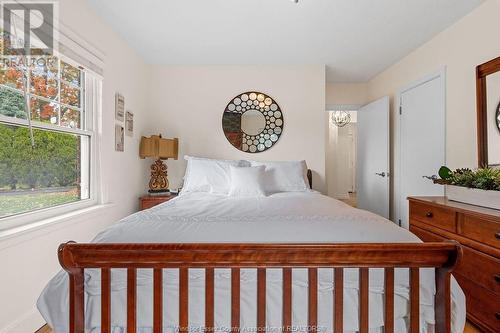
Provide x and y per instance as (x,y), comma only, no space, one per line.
(346,93)
(30,260)
(460,48)
(188,103)
(185,102)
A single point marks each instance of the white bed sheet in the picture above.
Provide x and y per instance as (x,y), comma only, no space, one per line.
(294,217)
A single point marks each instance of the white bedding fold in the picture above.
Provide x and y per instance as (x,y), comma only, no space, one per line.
(297,217)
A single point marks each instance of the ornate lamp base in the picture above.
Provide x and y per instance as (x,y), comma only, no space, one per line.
(158,182)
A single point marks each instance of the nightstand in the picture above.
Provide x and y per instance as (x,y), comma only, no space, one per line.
(149,201)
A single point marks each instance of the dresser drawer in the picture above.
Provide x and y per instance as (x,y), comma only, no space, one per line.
(481,230)
(146,204)
(149,201)
(483,306)
(480,268)
(426,236)
(435,216)
(435,219)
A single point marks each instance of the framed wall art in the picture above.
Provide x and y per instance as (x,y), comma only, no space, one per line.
(129,123)
(119,107)
(119,138)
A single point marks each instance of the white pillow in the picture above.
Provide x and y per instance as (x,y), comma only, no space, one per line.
(208,175)
(247,181)
(284,176)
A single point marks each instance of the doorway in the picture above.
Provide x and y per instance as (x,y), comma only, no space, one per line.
(358,156)
(341,159)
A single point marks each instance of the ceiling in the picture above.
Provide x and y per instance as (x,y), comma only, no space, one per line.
(356,39)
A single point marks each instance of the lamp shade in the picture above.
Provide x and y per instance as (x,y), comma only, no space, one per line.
(159,148)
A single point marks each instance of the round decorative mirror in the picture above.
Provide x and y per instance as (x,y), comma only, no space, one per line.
(498,116)
(252,122)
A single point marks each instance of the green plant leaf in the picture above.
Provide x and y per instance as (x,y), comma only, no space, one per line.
(445,172)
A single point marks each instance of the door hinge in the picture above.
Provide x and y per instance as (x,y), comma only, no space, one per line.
(400,109)
(399,222)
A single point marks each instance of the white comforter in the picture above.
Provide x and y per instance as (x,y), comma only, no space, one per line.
(279,218)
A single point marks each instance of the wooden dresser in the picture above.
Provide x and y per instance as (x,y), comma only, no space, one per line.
(478,230)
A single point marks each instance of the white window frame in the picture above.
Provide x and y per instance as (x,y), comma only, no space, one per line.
(92,105)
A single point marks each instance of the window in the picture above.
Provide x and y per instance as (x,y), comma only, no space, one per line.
(45,134)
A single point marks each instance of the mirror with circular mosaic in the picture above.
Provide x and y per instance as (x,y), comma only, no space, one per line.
(252,122)
(498,117)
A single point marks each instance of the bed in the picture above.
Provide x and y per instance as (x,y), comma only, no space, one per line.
(286,262)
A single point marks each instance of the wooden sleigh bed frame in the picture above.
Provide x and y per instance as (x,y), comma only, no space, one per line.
(443,257)
(74,258)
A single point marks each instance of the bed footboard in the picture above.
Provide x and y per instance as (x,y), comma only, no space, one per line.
(74,258)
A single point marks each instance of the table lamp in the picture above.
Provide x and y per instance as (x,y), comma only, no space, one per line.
(160,149)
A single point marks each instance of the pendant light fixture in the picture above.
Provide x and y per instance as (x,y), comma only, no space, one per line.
(340,118)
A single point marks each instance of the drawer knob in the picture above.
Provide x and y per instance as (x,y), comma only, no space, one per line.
(497,315)
(497,278)
(497,235)
(429,214)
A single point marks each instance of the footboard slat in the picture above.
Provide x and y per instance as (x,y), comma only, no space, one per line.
(443,257)
(261,300)
(105,300)
(414,300)
(158,300)
(76,301)
(313,299)
(389,300)
(183,299)
(131,300)
(339,300)
(209,299)
(363,300)
(443,300)
(287,300)
(235,300)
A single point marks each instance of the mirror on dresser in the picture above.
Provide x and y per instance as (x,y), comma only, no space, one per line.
(488,113)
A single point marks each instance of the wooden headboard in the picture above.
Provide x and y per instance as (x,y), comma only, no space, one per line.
(310,178)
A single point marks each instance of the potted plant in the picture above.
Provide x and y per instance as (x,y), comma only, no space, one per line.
(479,187)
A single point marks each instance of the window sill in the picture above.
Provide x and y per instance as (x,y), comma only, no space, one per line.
(32,217)
(72,216)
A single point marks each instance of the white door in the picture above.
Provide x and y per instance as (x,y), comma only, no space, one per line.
(372,158)
(422,140)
